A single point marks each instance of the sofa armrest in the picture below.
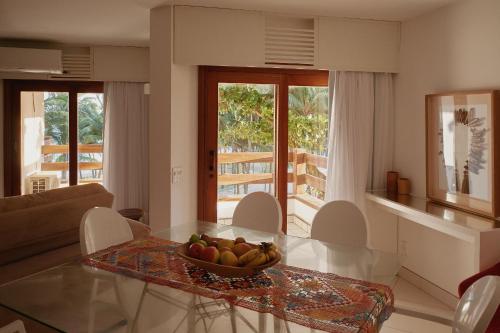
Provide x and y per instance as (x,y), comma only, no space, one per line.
(139,230)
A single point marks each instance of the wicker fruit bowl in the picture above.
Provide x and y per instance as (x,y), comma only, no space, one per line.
(229,258)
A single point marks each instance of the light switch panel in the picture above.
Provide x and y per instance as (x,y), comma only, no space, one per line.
(176,175)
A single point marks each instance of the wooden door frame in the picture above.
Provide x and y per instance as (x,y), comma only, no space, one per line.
(208,78)
(12,124)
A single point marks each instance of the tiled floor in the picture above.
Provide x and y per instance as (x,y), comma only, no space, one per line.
(410,297)
(295,230)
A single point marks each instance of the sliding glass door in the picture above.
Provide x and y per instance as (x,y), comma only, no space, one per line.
(53,135)
(262,130)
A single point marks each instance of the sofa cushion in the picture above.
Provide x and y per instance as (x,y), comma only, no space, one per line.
(36,223)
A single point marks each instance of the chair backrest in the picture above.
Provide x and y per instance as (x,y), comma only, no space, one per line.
(477,306)
(340,222)
(101,228)
(260,211)
(16,326)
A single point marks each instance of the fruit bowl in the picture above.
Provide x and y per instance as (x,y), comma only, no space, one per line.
(223,270)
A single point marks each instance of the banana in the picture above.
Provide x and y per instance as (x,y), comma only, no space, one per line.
(272,254)
(248,257)
(261,259)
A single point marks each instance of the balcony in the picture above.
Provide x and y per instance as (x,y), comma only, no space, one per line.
(306,180)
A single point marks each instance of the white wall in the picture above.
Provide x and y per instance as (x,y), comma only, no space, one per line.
(113,63)
(229,37)
(454,48)
(184,143)
(32,139)
(160,51)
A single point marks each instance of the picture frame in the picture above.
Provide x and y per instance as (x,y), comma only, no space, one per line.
(463,150)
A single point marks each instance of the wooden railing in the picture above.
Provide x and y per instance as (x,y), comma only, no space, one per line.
(64,149)
(298,176)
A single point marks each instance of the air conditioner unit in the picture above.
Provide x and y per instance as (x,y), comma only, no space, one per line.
(41,182)
(25,60)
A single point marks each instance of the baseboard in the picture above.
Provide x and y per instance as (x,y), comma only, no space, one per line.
(428,287)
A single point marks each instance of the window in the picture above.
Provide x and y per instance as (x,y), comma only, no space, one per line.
(54,132)
(263,130)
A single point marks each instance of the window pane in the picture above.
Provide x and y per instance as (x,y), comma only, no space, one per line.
(44,141)
(90,137)
(245,144)
(307,144)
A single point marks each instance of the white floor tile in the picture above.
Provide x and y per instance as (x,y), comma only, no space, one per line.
(401,323)
(390,330)
(409,297)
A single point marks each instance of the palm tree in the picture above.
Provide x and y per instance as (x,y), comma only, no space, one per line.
(90,122)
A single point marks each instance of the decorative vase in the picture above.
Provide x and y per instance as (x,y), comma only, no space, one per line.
(392,181)
(404,186)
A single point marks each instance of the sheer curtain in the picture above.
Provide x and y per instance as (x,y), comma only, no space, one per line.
(360,136)
(125,164)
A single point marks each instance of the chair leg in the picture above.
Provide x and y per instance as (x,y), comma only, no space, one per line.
(262,322)
(132,326)
(233,318)
(93,295)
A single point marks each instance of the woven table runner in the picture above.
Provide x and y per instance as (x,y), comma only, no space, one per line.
(323,301)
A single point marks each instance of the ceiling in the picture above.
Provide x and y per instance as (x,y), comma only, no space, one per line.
(126,22)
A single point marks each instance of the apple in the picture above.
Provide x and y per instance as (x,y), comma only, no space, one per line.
(210,254)
(225,243)
(241,248)
(239,240)
(205,237)
(228,258)
(195,250)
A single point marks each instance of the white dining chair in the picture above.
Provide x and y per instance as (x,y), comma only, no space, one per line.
(16,326)
(103,227)
(477,306)
(340,222)
(259,211)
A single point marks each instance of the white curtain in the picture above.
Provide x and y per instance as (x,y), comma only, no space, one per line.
(125,164)
(360,135)
(383,132)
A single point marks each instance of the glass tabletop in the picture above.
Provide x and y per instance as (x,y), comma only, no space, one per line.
(77,298)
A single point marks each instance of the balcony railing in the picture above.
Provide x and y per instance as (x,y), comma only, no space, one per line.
(298,177)
(64,149)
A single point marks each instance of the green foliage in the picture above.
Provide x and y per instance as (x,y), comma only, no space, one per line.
(246,117)
(308,119)
(90,122)
(57,117)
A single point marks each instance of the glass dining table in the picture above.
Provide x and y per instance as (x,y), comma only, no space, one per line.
(77,298)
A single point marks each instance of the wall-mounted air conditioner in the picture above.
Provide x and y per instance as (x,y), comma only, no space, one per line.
(25,60)
(41,182)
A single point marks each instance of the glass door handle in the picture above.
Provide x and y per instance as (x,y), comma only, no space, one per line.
(211,162)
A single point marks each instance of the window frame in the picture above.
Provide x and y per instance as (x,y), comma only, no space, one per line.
(13,127)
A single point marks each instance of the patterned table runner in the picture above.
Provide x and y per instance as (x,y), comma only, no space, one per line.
(313,299)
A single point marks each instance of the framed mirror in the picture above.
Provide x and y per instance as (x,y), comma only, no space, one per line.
(463,149)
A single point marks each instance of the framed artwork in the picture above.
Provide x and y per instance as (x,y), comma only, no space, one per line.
(463,150)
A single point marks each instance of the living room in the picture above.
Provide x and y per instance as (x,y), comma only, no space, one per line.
(184,112)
